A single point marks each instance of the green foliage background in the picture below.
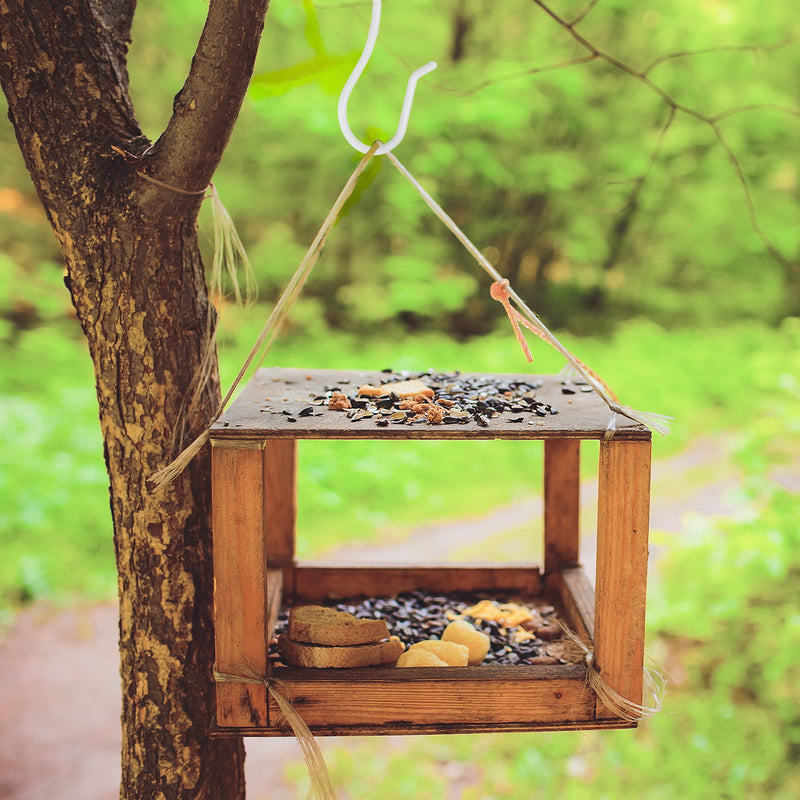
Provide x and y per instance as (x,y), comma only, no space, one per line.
(674,299)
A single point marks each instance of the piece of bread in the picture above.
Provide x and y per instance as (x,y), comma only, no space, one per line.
(420,658)
(321,625)
(322,657)
(452,653)
(402,389)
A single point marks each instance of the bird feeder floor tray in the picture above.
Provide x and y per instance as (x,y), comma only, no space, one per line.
(271,406)
(386,700)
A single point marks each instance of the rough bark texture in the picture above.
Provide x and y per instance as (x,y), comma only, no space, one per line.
(137,282)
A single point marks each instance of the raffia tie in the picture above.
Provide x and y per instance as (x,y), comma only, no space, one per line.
(270,330)
(321,786)
(657,422)
(655,684)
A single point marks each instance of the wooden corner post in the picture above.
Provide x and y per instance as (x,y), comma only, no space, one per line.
(280,500)
(561,507)
(240,577)
(623,520)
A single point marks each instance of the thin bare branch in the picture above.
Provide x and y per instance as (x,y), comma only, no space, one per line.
(511,76)
(623,224)
(751,210)
(751,48)
(756,107)
(676,106)
(589,6)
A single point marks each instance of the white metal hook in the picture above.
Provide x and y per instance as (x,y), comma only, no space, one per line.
(344,97)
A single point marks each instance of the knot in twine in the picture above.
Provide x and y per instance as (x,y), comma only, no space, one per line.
(321,786)
(655,684)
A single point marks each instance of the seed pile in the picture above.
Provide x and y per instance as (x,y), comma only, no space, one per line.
(418,616)
(457,400)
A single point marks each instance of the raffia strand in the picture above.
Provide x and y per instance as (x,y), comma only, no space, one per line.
(161,478)
(321,786)
(657,422)
(626,709)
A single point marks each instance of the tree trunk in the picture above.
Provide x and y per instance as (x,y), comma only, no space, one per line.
(137,282)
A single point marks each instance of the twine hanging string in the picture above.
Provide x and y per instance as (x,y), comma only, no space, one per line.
(655,684)
(161,478)
(321,786)
(656,422)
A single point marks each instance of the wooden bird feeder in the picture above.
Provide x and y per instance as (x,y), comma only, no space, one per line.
(254,462)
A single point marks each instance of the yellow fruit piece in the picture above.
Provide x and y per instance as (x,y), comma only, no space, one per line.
(420,658)
(476,642)
(452,653)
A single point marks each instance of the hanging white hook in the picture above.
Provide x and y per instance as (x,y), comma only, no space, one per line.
(344,97)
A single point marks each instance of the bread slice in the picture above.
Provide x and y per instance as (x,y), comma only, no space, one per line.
(321,625)
(320,657)
(403,389)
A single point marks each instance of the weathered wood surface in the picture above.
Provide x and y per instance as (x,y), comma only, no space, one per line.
(623,517)
(426,729)
(280,499)
(577,597)
(320,581)
(561,506)
(240,580)
(257,412)
(441,696)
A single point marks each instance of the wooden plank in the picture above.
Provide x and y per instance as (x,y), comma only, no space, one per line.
(577,597)
(623,518)
(427,729)
(257,412)
(274,599)
(320,582)
(240,580)
(561,506)
(439,696)
(280,499)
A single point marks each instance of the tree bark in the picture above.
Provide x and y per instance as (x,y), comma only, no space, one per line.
(137,282)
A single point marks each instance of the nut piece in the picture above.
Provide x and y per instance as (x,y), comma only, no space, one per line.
(435,414)
(462,632)
(420,658)
(452,653)
(338,402)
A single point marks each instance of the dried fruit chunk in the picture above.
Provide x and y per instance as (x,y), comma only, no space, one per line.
(476,642)
(452,653)
(420,658)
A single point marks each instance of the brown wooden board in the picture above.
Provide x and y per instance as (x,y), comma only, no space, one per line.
(257,412)
(426,729)
(325,582)
(577,597)
(440,696)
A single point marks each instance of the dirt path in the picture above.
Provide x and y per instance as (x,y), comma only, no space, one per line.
(60,695)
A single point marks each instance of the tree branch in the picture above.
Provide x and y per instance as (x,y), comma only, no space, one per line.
(622,226)
(511,76)
(589,6)
(751,48)
(712,122)
(206,108)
